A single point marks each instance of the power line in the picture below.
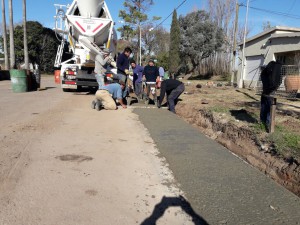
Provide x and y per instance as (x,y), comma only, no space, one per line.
(274,12)
(292,6)
(169,14)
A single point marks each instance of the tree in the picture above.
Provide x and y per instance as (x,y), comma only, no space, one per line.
(222,13)
(266,25)
(174,55)
(163,60)
(200,37)
(42,45)
(26,58)
(134,15)
(155,40)
(11,36)
(240,34)
(4,33)
(48,46)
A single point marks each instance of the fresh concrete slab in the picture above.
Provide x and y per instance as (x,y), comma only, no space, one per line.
(221,187)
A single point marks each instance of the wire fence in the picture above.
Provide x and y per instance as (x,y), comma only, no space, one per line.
(290,82)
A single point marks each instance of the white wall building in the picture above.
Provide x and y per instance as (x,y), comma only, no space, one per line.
(277,43)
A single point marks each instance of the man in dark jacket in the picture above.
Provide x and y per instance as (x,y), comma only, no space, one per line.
(123,61)
(123,68)
(271,80)
(151,72)
(150,76)
(174,89)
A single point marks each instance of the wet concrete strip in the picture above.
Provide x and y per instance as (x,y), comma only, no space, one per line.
(221,188)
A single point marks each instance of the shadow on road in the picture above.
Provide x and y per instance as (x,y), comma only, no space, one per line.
(167,202)
(49,88)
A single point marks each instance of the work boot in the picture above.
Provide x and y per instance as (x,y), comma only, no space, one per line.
(93,104)
(98,105)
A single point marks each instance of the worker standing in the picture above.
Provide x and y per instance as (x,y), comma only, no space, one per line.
(123,62)
(150,75)
(102,61)
(271,80)
(173,89)
(137,79)
(123,68)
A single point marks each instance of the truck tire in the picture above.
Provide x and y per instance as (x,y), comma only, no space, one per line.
(66,89)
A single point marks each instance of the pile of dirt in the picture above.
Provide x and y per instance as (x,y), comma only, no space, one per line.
(228,116)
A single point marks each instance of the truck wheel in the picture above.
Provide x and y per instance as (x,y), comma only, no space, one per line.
(66,89)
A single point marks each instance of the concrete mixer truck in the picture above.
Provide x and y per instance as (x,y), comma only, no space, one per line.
(87,27)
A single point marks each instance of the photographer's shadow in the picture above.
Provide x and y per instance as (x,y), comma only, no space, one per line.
(167,202)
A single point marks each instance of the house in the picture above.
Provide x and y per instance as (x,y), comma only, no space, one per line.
(276,43)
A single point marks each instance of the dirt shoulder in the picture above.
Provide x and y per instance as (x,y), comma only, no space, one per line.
(65,163)
(231,117)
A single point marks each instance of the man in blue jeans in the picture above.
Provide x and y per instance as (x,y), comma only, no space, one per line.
(174,89)
(102,62)
(271,80)
(137,79)
(123,68)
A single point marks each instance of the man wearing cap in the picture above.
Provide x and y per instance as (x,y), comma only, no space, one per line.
(107,95)
(102,61)
(150,75)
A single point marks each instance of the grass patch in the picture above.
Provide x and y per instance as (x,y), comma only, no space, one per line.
(218,109)
(259,128)
(225,77)
(286,143)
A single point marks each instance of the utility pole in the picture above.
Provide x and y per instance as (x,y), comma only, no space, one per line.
(234,41)
(140,36)
(241,81)
(140,46)
(4,30)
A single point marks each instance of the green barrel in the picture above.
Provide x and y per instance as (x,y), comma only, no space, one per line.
(18,80)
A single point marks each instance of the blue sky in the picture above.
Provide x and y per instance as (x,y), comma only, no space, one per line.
(44,10)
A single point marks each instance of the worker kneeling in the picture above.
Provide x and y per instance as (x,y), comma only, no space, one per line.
(173,89)
(107,95)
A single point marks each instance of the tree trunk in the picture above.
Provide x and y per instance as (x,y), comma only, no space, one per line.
(4,36)
(26,57)
(11,36)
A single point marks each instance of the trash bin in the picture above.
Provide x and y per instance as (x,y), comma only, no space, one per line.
(18,80)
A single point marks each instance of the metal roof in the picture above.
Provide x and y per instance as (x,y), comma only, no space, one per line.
(272,30)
